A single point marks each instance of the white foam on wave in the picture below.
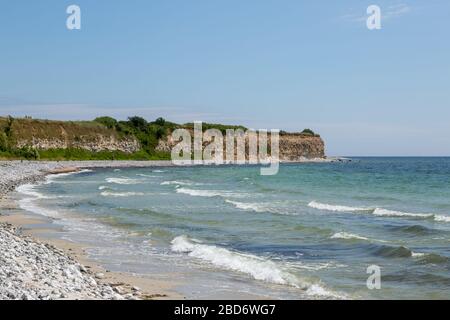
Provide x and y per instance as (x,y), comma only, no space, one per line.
(208,193)
(257,267)
(29,190)
(337,208)
(441,218)
(417,254)
(393,213)
(248,206)
(123,181)
(146,175)
(29,204)
(159,171)
(175,182)
(379,212)
(348,236)
(51,178)
(121,194)
(320,291)
(260,207)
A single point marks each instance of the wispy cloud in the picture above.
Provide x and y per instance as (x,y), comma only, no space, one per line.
(398,10)
(387,13)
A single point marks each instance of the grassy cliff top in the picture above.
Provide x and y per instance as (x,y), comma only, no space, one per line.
(17,136)
(26,128)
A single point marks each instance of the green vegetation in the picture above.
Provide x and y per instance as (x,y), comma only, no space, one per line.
(107,122)
(81,154)
(308,132)
(148,134)
(7,143)
(305,132)
(3,142)
(221,127)
(17,135)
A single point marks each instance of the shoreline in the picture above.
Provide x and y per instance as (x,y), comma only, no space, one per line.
(34,229)
(35,266)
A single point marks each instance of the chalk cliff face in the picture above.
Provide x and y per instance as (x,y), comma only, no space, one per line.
(95,137)
(44,135)
(91,143)
(293,146)
(296,146)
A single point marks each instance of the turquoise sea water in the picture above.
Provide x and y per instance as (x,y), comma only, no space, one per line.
(309,232)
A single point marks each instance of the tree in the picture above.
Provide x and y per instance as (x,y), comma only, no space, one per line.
(107,122)
(160,121)
(138,123)
(160,132)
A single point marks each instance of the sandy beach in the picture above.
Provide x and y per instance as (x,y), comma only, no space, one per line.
(35,266)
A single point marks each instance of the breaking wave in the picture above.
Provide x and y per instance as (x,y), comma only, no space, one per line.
(123,181)
(337,208)
(52,177)
(146,175)
(180,183)
(121,194)
(29,190)
(29,204)
(430,258)
(393,213)
(378,211)
(208,193)
(348,236)
(258,268)
(260,207)
(249,206)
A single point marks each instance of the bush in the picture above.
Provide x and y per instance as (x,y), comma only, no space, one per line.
(3,142)
(138,123)
(81,154)
(28,153)
(308,132)
(160,122)
(107,122)
(160,132)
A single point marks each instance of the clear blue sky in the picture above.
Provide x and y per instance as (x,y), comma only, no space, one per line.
(264,64)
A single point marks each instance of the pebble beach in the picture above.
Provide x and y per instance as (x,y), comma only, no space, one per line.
(31,269)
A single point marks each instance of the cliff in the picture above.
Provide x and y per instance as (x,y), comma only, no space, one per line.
(293,146)
(134,139)
(45,134)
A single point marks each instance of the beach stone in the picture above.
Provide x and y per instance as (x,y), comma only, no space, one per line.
(118,289)
(31,269)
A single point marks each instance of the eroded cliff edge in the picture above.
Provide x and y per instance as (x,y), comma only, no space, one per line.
(143,142)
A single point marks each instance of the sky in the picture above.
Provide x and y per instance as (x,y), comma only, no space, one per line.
(265,64)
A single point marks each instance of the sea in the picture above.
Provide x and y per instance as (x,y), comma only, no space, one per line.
(313,231)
